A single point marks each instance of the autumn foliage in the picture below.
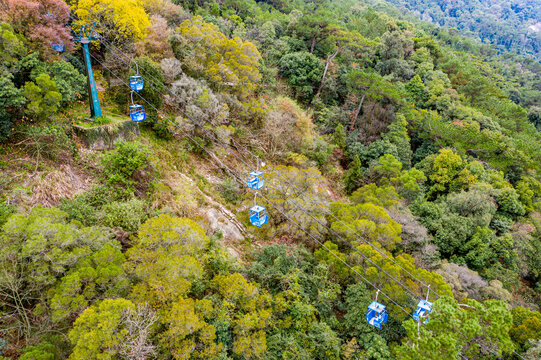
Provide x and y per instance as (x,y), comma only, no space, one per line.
(43,22)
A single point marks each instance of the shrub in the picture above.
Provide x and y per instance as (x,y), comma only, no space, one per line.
(230,190)
(171,68)
(6,210)
(199,103)
(128,215)
(289,127)
(44,141)
(79,209)
(122,164)
(509,204)
(321,153)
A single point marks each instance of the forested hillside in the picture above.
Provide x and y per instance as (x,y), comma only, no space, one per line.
(401,169)
(514,25)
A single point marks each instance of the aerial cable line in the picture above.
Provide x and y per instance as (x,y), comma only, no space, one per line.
(239,178)
(381,252)
(212,155)
(360,237)
(250,166)
(303,209)
(298,207)
(306,211)
(284,179)
(122,54)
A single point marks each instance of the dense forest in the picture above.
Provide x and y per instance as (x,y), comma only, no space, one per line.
(513,25)
(401,163)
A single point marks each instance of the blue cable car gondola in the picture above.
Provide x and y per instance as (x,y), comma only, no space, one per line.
(376,314)
(49,15)
(59,47)
(258,216)
(423,310)
(137,113)
(137,83)
(255,180)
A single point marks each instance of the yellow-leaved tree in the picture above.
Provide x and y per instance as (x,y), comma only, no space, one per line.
(367,220)
(165,259)
(205,51)
(247,310)
(118,20)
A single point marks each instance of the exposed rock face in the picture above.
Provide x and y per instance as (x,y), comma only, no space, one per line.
(226,225)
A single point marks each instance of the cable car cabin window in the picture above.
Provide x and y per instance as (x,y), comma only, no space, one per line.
(137,83)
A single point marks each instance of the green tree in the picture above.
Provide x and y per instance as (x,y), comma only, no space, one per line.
(12,45)
(11,99)
(328,255)
(188,335)
(112,329)
(509,203)
(397,134)
(36,251)
(303,71)
(42,351)
(534,116)
(43,97)
(526,327)
(354,175)
(473,330)
(95,277)
(389,171)
(370,221)
(417,91)
(325,341)
(339,137)
(12,48)
(311,27)
(250,316)
(384,196)
(369,85)
(445,171)
(165,258)
(70,83)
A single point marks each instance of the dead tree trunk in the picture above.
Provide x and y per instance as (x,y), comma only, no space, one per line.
(330,58)
(313,44)
(354,120)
